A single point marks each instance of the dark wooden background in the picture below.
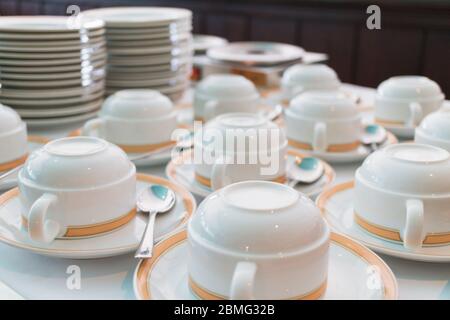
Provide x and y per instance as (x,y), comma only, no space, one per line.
(414,39)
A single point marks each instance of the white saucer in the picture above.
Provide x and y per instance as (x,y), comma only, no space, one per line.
(357,155)
(60,112)
(182,172)
(34,143)
(119,241)
(355,272)
(337,208)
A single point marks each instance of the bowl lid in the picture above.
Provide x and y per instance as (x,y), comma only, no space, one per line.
(137,104)
(317,76)
(324,105)
(226,86)
(414,88)
(9,119)
(78,162)
(408,168)
(235,218)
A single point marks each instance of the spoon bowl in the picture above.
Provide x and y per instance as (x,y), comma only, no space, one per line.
(155,199)
(305,170)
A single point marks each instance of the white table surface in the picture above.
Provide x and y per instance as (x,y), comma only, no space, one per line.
(39,277)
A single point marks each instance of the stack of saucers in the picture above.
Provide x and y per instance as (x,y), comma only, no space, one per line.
(148,47)
(52,68)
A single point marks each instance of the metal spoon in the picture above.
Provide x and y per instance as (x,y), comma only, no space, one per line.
(374,135)
(183,144)
(10,172)
(306,171)
(273,114)
(155,199)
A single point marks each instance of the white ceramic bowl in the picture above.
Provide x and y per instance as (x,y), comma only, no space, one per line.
(402,193)
(406,100)
(239,146)
(74,187)
(323,121)
(258,239)
(304,77)
(13,136)
(135,117)
(435,129)
(224,93)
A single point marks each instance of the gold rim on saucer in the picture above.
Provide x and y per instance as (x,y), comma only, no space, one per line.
(12,164)
(390,123)
(145,267)
(133,148)
(187,198)
(185,155)
(377,230)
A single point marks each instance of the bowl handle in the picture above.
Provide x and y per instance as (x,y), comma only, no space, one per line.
(415,114)
(40,228)
(243,281)
(94,126)
(413,233)
(320,137)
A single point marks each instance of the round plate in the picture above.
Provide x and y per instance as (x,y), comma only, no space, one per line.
(80,60)
(179,39)
(34,143)
(123,240)
(149,36)
(78,66)
(172,50)
(351,269)
(131,17)
(58,121)
(11,50)
(41,24)
(27,80)
(357,155)
(150,60)
(123,76)
(39,103)
(336,204)
(181,170)
(172,28)
(29,45)
(31,84)
(60,112)
(256,53)
(52,93)
(163,89)
(83,52)
(172,81)
(51,36)
(204,42)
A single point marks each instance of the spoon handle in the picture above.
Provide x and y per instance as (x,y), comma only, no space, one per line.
(145,249)
(10,172)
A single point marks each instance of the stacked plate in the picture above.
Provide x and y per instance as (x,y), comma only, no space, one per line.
(148,47)
(52,69)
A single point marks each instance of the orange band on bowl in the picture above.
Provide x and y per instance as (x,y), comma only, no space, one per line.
(12,164)
(207,182)
(331,148)
(394,235)
(133,148)
(383,122)
(95,229)
(205,294)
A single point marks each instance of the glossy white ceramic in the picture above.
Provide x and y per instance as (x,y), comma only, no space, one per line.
(402,192)
(435,129)
(75,182)
(228,256)
(13,136)
(224,93)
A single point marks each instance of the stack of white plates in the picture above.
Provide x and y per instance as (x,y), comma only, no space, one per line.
(52,69)
(148,47)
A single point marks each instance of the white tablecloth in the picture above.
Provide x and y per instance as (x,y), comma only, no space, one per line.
(39,277)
